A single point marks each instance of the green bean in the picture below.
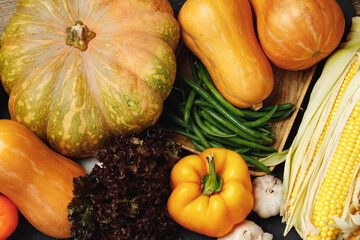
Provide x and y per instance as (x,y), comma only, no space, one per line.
(212,115)
(193,93)
(202,102)
(198,145)
(281,113)
(201,125)
(189,103)
(196,142)
(214,123)
(179,121)
(232,141)
(193,137)
(267,126)
(182,123)
(262,120)
(278,114)
(179,89)
(224,141)
(253,114)
(264,110)
(221,110)
(264,130)
(233,128)
(216,130)
(259,154)
(241,150)
(216,94)
(236,141)
(215,144)
(199,134)
(256,163)
(204,75)
(283,106)
(285,115)
(250,144)
(190,136)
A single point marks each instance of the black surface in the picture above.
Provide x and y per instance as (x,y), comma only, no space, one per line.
(273,225)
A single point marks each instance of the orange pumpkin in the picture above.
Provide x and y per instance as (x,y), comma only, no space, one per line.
(36,179)
(295,34)
(80,72)
(221,34)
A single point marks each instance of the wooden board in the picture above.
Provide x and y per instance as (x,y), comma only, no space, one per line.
(7,9)
(289,87)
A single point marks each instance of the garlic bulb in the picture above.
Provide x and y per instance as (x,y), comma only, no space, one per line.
(267,196)
(247,230)
(89,163)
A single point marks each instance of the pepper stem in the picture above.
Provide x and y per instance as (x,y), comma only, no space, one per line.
(211,182)
(79,36)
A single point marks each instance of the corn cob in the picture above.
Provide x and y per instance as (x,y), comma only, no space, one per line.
(313,170)
(335,188)
(350,74)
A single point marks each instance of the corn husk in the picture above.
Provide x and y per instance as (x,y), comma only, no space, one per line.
(301,152)
(274,159)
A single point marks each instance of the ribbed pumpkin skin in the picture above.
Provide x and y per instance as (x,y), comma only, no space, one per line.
(221,34)
(295,34)
(78,100)
(38,180)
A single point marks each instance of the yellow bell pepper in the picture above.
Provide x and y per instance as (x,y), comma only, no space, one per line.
(211,193)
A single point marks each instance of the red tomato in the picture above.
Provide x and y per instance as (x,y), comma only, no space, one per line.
(9,217)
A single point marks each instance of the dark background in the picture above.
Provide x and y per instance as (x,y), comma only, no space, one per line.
(273,225)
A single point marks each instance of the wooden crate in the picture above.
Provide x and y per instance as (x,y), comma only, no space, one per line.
(289,87)
(7,9)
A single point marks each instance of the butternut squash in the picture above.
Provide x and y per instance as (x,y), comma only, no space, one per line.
(36,179)
(221,34)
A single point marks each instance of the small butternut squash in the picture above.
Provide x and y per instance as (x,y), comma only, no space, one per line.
(36,179)
(295,34)
(221,34)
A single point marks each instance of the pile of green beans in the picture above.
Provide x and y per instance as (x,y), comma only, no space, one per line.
(208,120)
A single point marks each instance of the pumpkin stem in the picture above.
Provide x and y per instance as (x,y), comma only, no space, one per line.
(257,106)
(211,182)
(79,36)
(316,54)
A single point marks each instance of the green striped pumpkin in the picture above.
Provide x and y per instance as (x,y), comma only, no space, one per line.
(79,72)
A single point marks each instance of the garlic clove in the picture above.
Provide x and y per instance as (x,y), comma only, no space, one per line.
(247,230)
(267,196)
